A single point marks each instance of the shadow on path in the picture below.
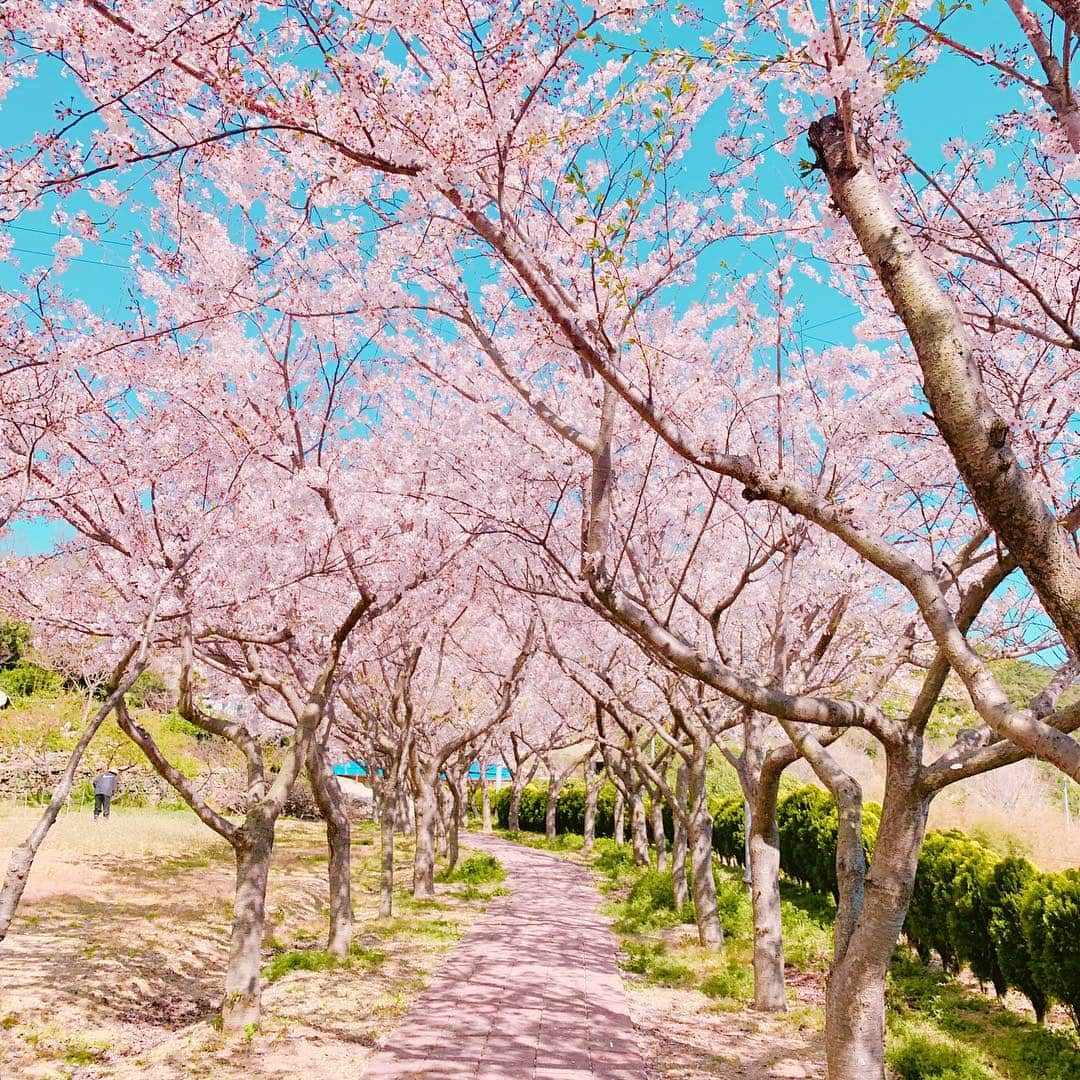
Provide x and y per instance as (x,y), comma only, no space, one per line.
(532,992)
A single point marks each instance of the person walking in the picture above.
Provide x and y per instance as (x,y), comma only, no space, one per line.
(104,790)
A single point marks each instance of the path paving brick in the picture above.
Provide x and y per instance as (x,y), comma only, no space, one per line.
(532,992)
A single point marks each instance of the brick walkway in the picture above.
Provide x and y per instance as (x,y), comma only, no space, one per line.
(532,992)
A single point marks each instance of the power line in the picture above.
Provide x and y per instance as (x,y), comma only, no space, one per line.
(60,235)
(74,258)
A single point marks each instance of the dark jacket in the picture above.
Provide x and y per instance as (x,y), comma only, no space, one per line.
(105,784)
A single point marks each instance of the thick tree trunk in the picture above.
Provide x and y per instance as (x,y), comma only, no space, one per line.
(517,785)
(619,829)
(387,827)
(678,841)
(241,1007)
(639,834)
(332,806)
(424,859)
(855,995)
(764,848)
(703,884)
(656,817)
(592,793)
(554,787)
(979,438)
(442,802)
(403,813)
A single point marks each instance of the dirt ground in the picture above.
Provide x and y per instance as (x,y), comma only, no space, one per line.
(115,963)
(687,1036)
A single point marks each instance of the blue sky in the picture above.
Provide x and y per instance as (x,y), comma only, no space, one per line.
(953,99)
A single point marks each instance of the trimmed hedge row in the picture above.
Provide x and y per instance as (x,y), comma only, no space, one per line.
(1012,925)
(569,810)
(807,821)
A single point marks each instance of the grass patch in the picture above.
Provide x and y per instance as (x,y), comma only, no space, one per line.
(478,869)
(563,842)
(734,982)
(364,956)
(935,1022)
(299,960)
(918,1056)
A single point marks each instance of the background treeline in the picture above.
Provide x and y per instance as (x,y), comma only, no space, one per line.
(1013,926)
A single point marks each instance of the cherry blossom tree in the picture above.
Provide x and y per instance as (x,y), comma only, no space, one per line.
(506,185)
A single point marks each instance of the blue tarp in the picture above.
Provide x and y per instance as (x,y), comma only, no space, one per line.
(497,773)
(351,768)
(494,772)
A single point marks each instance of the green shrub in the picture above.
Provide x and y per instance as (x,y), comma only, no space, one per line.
(478,869)
(1050,914)
(1008,883)
(808,936)
(569,808)
(14,637)
(654,890)
(615,860)
(969,911)
(299,960)
(734,981)
(919,1057)
(650,959)
(26,679)
(733,907)
(728,836)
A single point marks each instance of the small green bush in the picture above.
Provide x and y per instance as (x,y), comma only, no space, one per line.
(733,907)
(478,869)
(736,981)
(1009,881)
(569,808)
(26,679)
(615,860)
(14,637)
(653,891)
(919,1057)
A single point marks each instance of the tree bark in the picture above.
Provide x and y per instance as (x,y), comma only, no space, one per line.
(619,830)
(592,794)
(424,859)
(552,805)
(242,1003)
(656,817)
(457,813)
(387,828)
(442,821)
(855,994)
(977,436)
(678,842)
(639,834)
(703,884)
(764,849)
(517,785)
(486,800)
(331,804)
